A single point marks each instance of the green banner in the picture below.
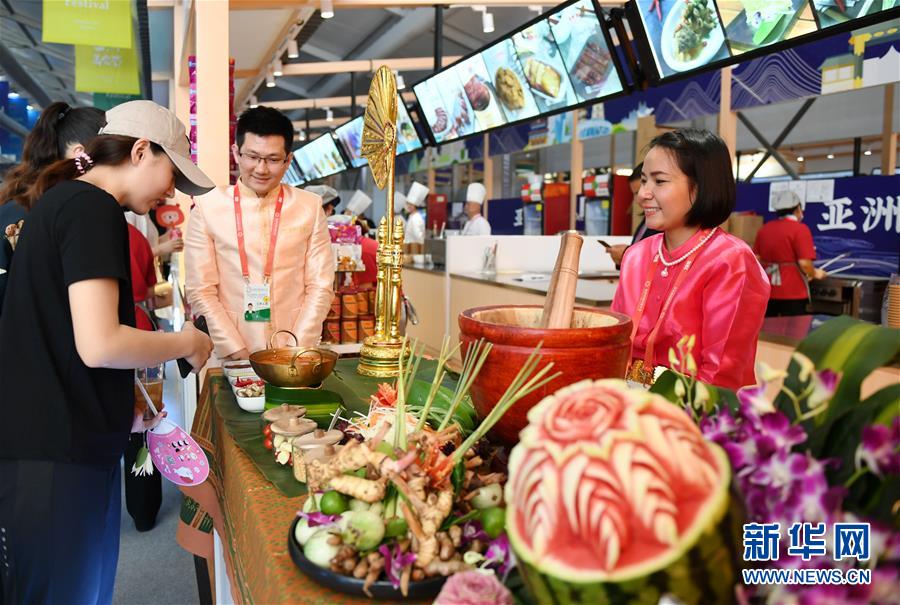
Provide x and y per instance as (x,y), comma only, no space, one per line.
(106,69)
(88,22)
(106,101)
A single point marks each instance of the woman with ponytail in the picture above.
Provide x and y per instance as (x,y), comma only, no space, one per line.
(61,132)
(68,349)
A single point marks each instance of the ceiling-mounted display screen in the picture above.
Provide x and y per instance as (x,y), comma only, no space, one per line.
(753,24)
(350,136)
(678,38)
(684,35)
(557,62)
(320,158)
(293,176)
(831,13)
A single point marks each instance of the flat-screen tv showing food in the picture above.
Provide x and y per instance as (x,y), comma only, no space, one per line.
(293,176)
(555,63)
(350,136)
(320,158)
(677,38)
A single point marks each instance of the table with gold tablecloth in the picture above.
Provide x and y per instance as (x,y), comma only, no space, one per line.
(250,515)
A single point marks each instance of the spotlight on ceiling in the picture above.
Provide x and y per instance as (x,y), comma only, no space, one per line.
(293,49)
(254,102)
(278,68)
(487,22)
(270,79)
(327,9)
(329,115)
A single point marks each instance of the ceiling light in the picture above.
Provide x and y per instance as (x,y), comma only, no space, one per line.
(270,79)
(329,115)
(301,135)
(13,95)
(487,22)
(278,68)
(29,108)
(537,8)
(868,151)
(254,102)
(293,50)
(401,83)
(830,156)
(327,9)
(800,158)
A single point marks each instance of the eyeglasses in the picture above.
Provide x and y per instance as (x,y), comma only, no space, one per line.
(252,158)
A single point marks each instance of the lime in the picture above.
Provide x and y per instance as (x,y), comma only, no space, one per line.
(333,503)
(396,527)
(493,521)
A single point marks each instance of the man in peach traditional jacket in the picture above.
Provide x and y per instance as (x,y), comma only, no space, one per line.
(289,288)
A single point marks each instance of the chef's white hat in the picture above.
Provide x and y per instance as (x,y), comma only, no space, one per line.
(358,203)
(399,201)
(785,200)
(476,193)
(325,192)
(417,194)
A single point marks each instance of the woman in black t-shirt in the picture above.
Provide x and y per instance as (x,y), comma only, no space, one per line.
(68,347)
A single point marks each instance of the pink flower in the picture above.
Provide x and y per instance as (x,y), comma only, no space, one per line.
(474,588)
(395,561)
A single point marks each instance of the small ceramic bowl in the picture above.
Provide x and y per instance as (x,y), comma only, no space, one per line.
(251,404)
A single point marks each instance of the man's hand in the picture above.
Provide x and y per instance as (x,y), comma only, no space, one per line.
(819,273)
(617,252)
(239,355)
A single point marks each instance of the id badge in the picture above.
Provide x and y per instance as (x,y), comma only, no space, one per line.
(256,303)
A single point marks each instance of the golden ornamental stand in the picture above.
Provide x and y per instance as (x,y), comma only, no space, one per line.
(381,353)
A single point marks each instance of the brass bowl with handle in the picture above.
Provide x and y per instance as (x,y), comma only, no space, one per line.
(293,366)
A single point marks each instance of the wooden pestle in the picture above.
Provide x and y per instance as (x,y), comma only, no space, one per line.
(559,305)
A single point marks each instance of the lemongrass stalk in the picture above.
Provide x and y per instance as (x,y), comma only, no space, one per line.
(400,422)
(416,357)
(463,380)
(482,356)
(522,385)
(439,374)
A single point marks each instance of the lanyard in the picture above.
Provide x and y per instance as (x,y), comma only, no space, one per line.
(642,304)
(273,237)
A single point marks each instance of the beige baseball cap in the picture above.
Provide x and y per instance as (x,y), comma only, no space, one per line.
(147,120)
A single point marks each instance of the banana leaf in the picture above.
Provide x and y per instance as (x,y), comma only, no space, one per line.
(464,416)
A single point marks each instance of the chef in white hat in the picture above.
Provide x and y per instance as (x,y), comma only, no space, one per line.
(358,204)
(477,224)
(399,207)
(329,195)
(415,224)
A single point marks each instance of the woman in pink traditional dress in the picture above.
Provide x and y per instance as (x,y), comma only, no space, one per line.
(693,279)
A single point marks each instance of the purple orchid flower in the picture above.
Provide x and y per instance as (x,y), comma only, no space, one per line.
(472,531)
(755,399)
(315,519)
(879,449)
(719,426)
(499,555)
(778,434)
(395,561)
(825,384)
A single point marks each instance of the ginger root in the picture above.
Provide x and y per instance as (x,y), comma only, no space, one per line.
(445,568)
(367,490)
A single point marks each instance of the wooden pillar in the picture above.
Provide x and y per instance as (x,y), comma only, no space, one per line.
(212,89)
(727,118)
(576,161)
(179,97)
(488,174)
(889,133)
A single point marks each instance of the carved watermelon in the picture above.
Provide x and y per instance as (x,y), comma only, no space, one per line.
(614,496)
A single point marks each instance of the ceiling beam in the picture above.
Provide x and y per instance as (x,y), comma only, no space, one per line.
(23,79)
(320,53)
(320,123)
(327,68)
(11,125)
(322,103)
(386,4)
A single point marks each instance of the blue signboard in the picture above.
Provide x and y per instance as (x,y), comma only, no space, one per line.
(506,216)
(861,218)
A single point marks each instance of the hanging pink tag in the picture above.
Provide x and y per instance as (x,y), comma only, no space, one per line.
(176,455)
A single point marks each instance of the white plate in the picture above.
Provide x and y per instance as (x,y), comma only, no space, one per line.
(667,44)
(563,82)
